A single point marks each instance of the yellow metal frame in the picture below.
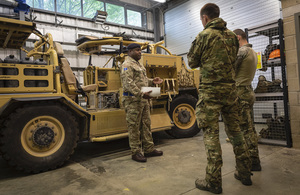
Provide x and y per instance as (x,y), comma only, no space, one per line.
(101,128)
(86,47)
(14,33)
(21,78)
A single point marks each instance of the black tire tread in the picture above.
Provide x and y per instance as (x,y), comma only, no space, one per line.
(19,165)
(175,131)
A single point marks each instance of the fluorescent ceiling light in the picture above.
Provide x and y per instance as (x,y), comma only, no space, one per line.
(160,1)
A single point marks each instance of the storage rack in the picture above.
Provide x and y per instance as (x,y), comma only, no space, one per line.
(271,115)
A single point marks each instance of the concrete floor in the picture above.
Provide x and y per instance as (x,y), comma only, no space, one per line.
(107,168)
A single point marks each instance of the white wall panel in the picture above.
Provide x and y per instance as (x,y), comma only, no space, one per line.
(6,10)
(150,20)
(72,27)
(83,60)
(6,52)
(65,34)
(182,23)
(69,35)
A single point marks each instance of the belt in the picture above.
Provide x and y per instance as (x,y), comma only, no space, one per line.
(127,94)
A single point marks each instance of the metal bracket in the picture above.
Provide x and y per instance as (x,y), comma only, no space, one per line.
(57,70)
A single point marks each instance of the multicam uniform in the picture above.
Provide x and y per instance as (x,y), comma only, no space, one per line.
(245,66)
(133,77)
(214,51)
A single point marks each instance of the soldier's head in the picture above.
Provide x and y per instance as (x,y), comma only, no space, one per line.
(208,12)
(134,51)
(241,35)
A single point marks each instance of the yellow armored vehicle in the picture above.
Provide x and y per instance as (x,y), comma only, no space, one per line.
(45,112)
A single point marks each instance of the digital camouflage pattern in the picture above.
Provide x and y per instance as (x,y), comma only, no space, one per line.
(133,78)
(214,51)
(213,100)
(246,102)
(245,70)
(138,125)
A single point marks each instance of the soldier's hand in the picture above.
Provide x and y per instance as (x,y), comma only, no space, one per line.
(146,95)
(157,80)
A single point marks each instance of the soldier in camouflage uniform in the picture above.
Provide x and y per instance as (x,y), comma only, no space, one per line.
(214,50)
(245,68)
(136,103)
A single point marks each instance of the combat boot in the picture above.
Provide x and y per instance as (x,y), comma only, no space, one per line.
(256,167)
(139,157)
(154,153)
(204,185)
(245,179)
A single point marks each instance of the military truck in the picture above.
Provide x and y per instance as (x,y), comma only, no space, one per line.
(45,112)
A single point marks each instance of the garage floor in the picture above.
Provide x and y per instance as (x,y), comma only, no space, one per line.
(106,168)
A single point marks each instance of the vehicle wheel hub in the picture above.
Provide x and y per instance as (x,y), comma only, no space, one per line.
(43,136)
(184,116)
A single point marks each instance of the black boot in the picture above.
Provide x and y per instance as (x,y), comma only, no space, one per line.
(245,179)
(139,157)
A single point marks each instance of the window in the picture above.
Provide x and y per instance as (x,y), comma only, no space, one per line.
(134,18)
(42,4)
(72,7)
(88,8)
(115,13)
(91,6)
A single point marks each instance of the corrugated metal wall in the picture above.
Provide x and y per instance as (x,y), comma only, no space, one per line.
(182,23)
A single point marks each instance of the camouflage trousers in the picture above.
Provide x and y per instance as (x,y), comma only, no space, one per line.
(246,101)
(213,100)
(138,125)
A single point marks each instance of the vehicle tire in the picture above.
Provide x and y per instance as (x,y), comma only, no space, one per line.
(39,137)
(182,113)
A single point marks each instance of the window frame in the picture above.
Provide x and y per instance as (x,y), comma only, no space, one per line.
(128,20)
(297,34)
(95,10)
(125,15)
(126,7)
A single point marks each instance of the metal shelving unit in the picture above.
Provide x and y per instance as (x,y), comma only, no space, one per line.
(271,114)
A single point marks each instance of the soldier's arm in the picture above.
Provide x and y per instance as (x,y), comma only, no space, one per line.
(129,83)
(235,64)
(240,57)
(150,82)
(194,54)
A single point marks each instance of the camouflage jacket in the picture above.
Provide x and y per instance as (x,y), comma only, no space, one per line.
(134,77)
(245,65)
(214,50)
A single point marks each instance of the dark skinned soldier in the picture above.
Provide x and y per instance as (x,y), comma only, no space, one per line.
(136,103)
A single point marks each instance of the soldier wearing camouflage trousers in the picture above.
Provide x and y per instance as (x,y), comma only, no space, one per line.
(136,103)
(214,50)
(245,68)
